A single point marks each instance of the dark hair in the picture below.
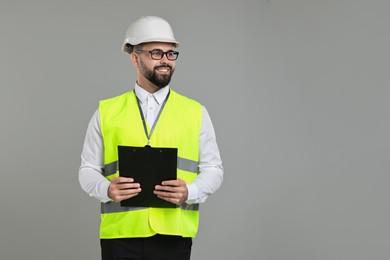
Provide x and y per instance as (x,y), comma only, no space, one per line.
(130,48)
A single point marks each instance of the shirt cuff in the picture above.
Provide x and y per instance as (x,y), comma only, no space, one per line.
(192,193)
(104,192)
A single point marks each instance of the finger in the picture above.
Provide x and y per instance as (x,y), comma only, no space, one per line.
(168,194)
(120,195)
(123,180)
(127,192)
(125,186)
(171,183)
(129,196)
(165,188)
(115,188)
(176,201)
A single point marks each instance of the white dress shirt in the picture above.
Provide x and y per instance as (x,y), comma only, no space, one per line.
(210,174)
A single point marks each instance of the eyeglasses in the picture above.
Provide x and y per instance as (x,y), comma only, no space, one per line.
(159,54)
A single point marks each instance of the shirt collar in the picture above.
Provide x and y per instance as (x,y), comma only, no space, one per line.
(159,95)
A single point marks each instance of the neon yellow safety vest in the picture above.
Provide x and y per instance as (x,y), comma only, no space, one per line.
(178,127)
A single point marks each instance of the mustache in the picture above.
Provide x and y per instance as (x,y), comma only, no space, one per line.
(164,66)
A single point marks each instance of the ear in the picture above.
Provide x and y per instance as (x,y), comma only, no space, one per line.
(134,59)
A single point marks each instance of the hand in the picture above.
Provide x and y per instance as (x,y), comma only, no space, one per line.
(122,188)
(174,191)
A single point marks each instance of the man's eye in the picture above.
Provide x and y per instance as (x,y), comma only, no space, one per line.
(157,53)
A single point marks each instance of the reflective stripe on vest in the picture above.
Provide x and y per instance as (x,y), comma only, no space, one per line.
(114,207)
(182,164)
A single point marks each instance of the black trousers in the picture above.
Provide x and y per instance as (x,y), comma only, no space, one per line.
(158,247)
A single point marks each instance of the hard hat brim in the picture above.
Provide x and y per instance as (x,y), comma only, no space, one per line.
(154,39)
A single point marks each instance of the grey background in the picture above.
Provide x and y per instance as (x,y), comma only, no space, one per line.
(298,92)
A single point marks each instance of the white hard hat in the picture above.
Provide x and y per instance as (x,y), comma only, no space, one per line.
(149,29)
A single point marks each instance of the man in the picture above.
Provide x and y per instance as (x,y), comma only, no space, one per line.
(151,114)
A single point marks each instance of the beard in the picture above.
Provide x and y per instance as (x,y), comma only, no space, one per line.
(159,80)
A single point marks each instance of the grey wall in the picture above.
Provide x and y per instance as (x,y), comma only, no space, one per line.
(298,92)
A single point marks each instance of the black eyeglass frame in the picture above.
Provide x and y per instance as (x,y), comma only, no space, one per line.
(176,53)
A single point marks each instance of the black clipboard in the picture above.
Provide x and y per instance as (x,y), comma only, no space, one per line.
(148,166)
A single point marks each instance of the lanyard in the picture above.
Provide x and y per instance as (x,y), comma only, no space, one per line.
(155,121)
